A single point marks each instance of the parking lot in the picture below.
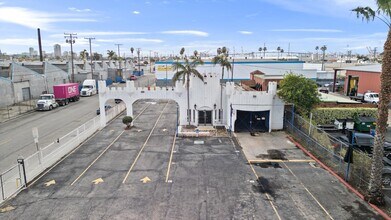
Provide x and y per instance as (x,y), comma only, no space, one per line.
(147,173)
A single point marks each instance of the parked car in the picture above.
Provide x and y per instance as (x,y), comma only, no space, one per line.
(324,90)
(107,107)
(132,77)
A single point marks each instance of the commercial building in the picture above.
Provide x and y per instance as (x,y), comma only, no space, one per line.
(360,79)
(57,51)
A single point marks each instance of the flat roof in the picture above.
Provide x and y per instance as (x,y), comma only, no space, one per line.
(365,68)
(335,98)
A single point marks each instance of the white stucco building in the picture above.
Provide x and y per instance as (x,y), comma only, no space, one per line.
(236,109)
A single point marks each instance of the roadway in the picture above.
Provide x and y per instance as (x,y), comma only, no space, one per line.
(16,135)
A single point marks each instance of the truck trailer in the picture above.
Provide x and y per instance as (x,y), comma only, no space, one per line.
(62,95)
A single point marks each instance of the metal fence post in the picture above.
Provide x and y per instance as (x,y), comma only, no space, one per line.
(2,187)
(21,162)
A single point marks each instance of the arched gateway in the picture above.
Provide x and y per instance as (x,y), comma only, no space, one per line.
(211,104)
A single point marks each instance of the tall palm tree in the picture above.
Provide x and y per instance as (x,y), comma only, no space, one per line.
(184,71)
(83,55)
(131,51)
(260,50)
(222,59)
(182,51)
(317,54)
(383,13)
(278,52)
(264,51)
(110,54)
(323,49)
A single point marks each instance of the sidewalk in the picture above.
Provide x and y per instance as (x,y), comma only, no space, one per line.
(13,111)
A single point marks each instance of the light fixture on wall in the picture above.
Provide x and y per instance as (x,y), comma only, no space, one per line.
(214,106)
(195,106)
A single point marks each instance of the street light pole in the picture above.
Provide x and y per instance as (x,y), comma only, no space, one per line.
(119,57)
(91,57)
(70,38)
(138,59)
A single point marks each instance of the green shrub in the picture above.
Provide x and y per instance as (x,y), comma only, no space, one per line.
(128,121)
(328,115)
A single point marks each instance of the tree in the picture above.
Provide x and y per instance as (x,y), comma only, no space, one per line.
(264,51)
(375,194)
(182,52)
(300,91)
(184,71)
(84,55)
(278,52)
(317,54)
(127,120)
(110,54)
(323,49)
(222,59)
(97,56)
(260,50)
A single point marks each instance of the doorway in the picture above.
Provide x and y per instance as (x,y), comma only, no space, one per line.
(204,117)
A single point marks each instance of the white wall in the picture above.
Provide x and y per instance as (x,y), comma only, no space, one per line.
(242,70)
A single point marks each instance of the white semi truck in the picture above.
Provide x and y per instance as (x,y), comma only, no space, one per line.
(89,87)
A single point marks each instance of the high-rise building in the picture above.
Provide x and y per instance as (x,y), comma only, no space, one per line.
(31,51)
(57,51)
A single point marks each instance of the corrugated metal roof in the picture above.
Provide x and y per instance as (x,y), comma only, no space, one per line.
(367,68)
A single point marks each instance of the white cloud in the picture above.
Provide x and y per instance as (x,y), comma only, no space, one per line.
(101,33)
(2,3)
(187,32)
(19,41)
(35,19)
(246,32)
(136,12)
(79,10)
(131,40)
(335,8)
(308,30)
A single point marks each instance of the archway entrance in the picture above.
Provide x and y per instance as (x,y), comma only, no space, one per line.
(205,117)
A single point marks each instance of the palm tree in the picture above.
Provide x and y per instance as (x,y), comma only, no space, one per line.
(222,59)
(383,13)
(317,54)
(278,52)
(184,71)
(131,51)
(282,51)
(323,49)
(83,55)
(182,51)
(264,51)
(260,50)
(110,54)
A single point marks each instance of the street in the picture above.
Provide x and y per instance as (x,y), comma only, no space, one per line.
(16,135)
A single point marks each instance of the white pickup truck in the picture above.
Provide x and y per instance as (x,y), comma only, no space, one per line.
(369,97)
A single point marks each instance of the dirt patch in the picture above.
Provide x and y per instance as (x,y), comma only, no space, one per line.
(273,155)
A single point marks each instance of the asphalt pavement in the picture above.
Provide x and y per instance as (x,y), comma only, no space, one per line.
(148,173)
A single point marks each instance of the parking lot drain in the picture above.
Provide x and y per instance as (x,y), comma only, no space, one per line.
(198,142)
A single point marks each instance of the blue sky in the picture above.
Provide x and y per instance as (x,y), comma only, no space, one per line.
(165,26)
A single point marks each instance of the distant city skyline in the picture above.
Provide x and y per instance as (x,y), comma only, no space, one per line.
(204,25)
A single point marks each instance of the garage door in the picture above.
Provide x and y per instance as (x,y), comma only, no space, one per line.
(247,121)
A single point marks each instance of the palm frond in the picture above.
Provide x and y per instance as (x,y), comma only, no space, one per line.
(366,13)
(197,74)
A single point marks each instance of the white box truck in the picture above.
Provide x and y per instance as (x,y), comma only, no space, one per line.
(89,87)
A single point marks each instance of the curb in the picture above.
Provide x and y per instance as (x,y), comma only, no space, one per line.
(377,209)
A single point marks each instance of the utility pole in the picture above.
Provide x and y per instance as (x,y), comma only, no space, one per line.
(70,38)
(138,58)
(119,59)
(150,61)
(91,57)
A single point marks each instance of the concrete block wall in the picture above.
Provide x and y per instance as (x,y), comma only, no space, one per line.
(6,92)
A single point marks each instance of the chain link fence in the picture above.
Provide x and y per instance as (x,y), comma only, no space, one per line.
(330,150)
(16,178)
